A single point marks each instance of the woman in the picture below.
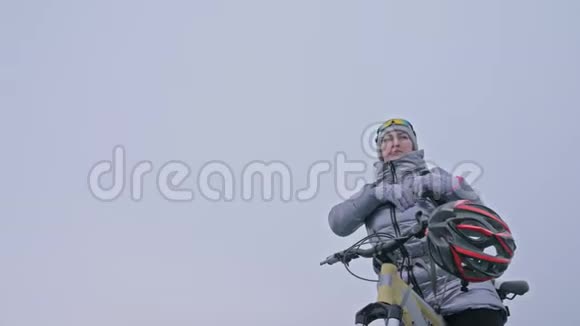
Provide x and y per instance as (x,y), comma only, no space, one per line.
(389,205)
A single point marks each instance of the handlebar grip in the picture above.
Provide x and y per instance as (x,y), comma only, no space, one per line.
(331,260)
(344,257)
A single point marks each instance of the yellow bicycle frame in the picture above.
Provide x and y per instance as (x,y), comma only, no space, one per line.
(393,290)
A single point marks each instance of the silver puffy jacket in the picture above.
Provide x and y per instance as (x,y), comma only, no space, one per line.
(364,209)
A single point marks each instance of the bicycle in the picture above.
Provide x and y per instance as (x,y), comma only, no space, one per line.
(397,301)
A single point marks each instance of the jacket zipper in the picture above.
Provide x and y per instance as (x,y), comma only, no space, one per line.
(404,252)
(393,214)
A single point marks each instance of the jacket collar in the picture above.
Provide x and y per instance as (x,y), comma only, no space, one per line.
(409,162)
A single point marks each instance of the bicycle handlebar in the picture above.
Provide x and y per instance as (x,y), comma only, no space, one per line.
(418,231)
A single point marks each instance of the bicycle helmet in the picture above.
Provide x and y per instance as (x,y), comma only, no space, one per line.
(469,241)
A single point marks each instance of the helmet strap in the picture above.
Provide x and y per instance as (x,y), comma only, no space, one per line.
(464,285)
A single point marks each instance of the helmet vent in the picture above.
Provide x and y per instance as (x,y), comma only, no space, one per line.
(490,251)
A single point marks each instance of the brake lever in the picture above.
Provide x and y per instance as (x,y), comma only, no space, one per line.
(339,257)
(346,259)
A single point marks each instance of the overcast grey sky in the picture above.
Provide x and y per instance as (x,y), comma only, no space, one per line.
(495,83)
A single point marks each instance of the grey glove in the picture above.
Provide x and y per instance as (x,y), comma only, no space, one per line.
(436,185)
(401,195)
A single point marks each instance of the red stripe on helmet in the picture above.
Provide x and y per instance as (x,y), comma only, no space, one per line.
(461,202)
(504,245)
(488,233)
(483,212)
(473,254)
(457,261)
(475,228)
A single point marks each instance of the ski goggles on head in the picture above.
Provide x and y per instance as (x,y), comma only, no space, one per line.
(398,122)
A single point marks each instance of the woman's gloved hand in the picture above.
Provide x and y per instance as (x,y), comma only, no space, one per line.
(437,185)
(401,195)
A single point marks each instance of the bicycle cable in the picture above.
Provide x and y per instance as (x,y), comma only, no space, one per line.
(360,243)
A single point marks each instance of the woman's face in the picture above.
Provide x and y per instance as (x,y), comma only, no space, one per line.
(395,144)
